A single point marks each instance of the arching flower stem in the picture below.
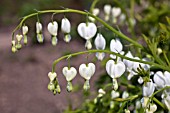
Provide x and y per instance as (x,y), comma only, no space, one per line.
(79,12)
(109,52)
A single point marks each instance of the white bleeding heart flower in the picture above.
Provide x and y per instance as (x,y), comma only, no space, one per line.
(115,70)
(87,71)
(107,11)
(116,46)
(52,76)
(38,27)
(100,55)
(114,94)
(24,30)
(128,63)
(167,78)
(101,92)
(95,12)
(153,107)
(53,28)
(65,25)
(116,12)
(148,89)
(159,79)
(125,94)
(69,73)
(100,42)
(127,111)
(19,37)
(87,30)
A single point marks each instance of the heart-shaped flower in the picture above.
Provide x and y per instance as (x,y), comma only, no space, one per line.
(53,28)
(114,94)
(87,30)
(95,12)
(128,63)
(107,10)
(52,76)
(38,27)
(115,70)
(24,30)
(153,107)
(148,89)
(65,25)
(116,12)
(87,71)
(69,73)
(19,37)
(100,42)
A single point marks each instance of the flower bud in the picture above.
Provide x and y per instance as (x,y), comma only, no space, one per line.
(107,10)
(127,111)
(65,26)
(38,27)
(24,30)
(88,44)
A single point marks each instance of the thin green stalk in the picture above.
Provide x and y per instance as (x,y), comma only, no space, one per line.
(93,5)
(166,58)
(79,12)
(126,99)
(158,102)
(109,52)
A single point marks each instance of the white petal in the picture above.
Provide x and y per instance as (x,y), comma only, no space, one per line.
(38,27)
(100,56)
(52,76)
(128,63)
(114,94)
(65,25)
(119,69)
(107,9)
(87,31)
(95,11)
(167,78)
(19,37)
(159,79)
(100,42)
(53,28)
(148,89)
(116,46)
(87,71)
(24,30)
(110,68)
(69,73)
(116,12)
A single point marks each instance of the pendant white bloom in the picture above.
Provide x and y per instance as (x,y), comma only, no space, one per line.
(159,79)
(69,73)
(19,37)
(115,70)
(95,12)
(87,31)
(87,71)
(107,11)
(128,63)
(53,28)
(148,89)
(100,44)
(52,76)
(115,13)
(114,94)
(24,30)
(40,36)
(116,46)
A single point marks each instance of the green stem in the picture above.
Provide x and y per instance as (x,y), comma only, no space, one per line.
(166,58)
(93,5)
(109,52)
(126,99)
(158,102)
(83,13)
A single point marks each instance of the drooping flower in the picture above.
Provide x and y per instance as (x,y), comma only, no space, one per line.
(24,32)
(128,63)
(148,89)
(115,94)
(87,71)
(125,94)
(69,74)
(95,12)
(127,111)
(19,38)
(115,70)
(40,36)
(159,79)
(166,101)
(101,92)
(115,13)
(53,29)
(107,11)
(100,44)
(66,28)
(52,76)
(14,49)
(87,31)
(116,46)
